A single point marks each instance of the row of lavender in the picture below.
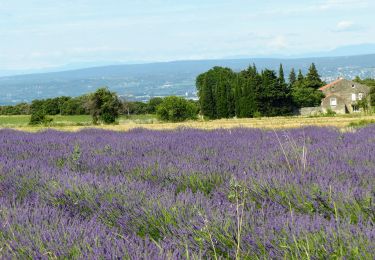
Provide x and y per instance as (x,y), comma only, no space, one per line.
(304,193)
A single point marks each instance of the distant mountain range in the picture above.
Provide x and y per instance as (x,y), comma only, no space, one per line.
(142,81)
(349,50)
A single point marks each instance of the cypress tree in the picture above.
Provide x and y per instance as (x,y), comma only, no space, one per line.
(300,77)
(217,97)
(231,99)
(313,79)
(250,92)
(221,101)
(237,95)
(207,97)
(292,77)
(281,75)
(283,102)
(271,93)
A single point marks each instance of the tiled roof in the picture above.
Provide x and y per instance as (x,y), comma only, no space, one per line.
(331,84)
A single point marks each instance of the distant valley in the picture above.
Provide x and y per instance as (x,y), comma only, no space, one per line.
(143,81)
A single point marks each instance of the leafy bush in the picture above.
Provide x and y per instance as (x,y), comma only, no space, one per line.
(257,114)
(304,96)
(364,104)
(176,109)
(104,106)
(361,123)
(39,117)
(153,103)
(330,112)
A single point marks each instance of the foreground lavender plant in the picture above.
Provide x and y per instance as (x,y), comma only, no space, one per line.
(305,193)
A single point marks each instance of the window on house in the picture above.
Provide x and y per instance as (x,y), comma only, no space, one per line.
(355,108)
(360,96)
(353,86)
(333,102)
(354,97)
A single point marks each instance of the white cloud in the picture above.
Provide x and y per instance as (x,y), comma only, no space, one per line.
(347,26)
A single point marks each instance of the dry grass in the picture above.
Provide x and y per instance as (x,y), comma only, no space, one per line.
(341,122)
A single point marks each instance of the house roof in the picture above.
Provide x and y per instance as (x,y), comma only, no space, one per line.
(331,84)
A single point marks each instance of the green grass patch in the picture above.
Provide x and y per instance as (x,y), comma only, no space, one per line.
(14,120)
(23,120)
(157,224)
(73,120)
(361,123)
(200,182)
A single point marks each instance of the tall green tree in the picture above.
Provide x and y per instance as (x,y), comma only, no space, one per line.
(104,106)
(313,79)
(285,103)
(292,77)
(305,91)
(250,82)
(300,76)
(237,95)
(231,101)
(222,97)
(270,93)
(281,75)
(276,98)
(205,86)
(216,92)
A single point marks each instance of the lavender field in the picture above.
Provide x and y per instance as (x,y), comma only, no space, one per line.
(246,194)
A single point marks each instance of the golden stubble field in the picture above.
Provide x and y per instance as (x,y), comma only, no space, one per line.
(342,122)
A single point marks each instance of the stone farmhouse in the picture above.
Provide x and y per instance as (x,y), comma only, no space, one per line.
(341,96)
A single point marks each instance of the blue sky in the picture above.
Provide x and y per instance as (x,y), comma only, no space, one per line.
(39,34)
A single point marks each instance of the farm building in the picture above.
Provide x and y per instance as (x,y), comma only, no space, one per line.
(342,96)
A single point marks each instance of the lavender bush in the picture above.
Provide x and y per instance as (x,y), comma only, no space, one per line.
(250,194)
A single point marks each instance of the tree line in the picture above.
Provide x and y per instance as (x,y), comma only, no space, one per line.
(224,93)
(77,106)
(105,107)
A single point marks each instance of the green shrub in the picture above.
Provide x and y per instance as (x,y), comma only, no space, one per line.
(330,112)
(176,109)
(257,114)
(104,106)
(361,123)
(153,104)
(39,117)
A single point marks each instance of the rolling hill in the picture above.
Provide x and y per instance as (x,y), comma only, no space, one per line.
(142,81)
